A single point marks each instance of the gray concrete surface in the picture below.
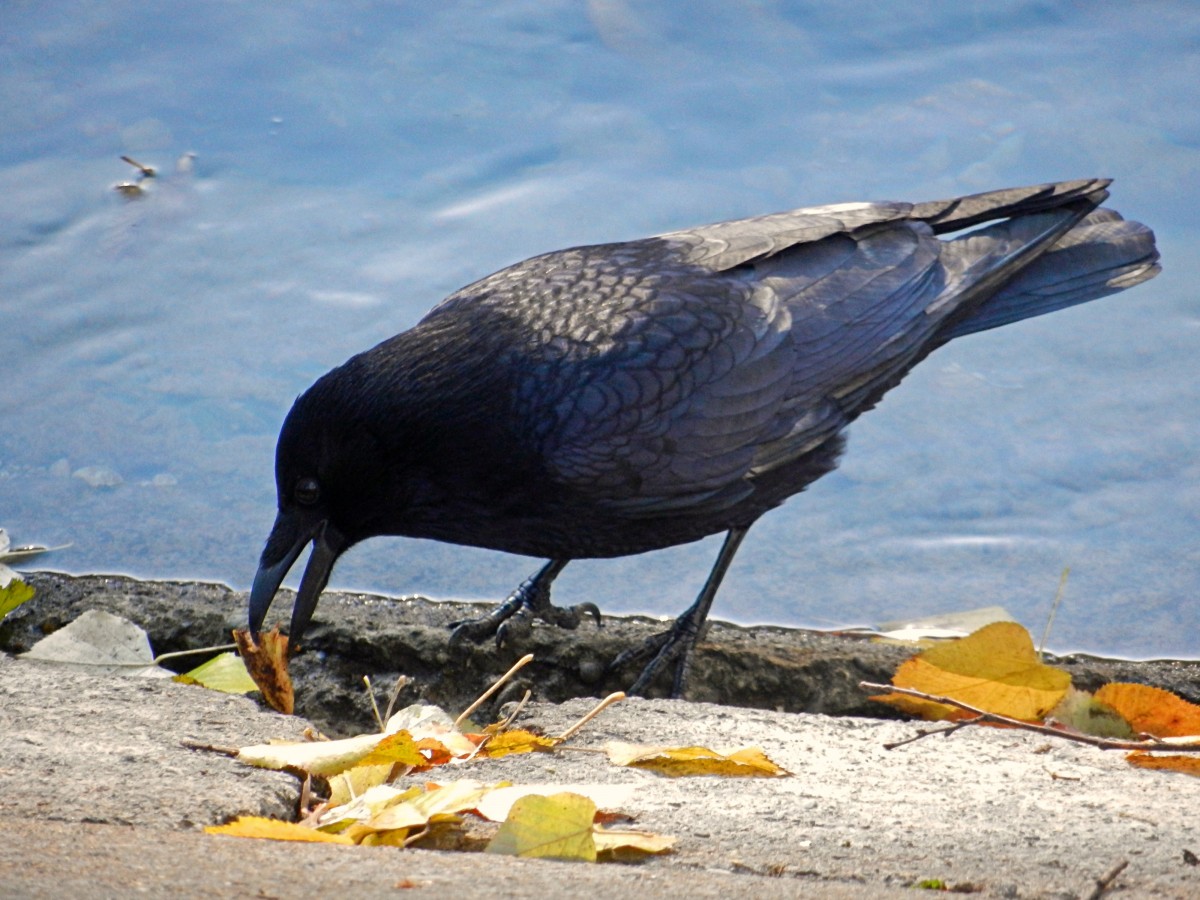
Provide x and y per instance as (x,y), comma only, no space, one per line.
(99,798)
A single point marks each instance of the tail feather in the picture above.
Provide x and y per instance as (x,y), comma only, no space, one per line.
(1101,255)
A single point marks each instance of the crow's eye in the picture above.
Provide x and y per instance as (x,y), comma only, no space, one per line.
(307,491)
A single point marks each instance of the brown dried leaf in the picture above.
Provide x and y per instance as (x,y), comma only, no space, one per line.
(266,661)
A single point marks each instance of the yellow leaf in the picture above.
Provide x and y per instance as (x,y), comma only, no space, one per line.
(496,804)
(556,827)
(620,844)
(686,761)
(995,669)
(13,595)
(267,663)
(395,748)
(1151,710)
(273,829)
(369,804)
(323,758)
(386,808)
(1189,765)
(225,673)
(356,781)
(518,741)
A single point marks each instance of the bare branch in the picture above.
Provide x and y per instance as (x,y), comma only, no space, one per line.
(1148,742)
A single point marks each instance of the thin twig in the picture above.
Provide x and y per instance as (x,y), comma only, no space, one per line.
(401,684)
(926,732)
(305,794)
(1058,596)
(981,715)
(599,708)
(520,664)
(209,748)
(1105,882)
(374,705)
(512,717)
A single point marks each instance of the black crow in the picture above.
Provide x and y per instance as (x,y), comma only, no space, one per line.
(619,398)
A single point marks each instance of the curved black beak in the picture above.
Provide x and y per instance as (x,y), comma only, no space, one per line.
(284,544)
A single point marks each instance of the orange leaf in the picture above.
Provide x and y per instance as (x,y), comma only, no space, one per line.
(275,830)
(1151,710)
(435,752)
(267,663)
(995,669)
(1189,765)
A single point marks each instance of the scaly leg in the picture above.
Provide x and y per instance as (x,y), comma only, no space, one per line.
(513,619)
(677,642)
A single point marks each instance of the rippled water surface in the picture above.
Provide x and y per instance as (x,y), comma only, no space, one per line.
(356,162)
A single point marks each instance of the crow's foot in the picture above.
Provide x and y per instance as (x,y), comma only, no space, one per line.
(513,619)
(675,645)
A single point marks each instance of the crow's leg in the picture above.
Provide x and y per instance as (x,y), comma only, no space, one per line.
(675,645)
(513,619)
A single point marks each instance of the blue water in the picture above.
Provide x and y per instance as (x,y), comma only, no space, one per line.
(356,162)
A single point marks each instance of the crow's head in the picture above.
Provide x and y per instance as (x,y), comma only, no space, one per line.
(335,487)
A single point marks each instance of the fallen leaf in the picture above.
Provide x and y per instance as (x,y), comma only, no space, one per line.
(517,741)
(395,748)
(1189,765)
(554,827)
(275,830)
(356,781)
(329,758)
(995,669)
(266,661)
(497,803)
(689,761)
(369,804)
(12,595)
(623,844)
(1080,711)
(324,758)
(1151,710)
(386,809)
(225,673)
(101,643)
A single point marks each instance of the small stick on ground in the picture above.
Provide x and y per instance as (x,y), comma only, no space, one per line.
(1105,882)
(599,708)
(374,705)
(512,717)
(1147,742)
(520,664)
(401,684)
